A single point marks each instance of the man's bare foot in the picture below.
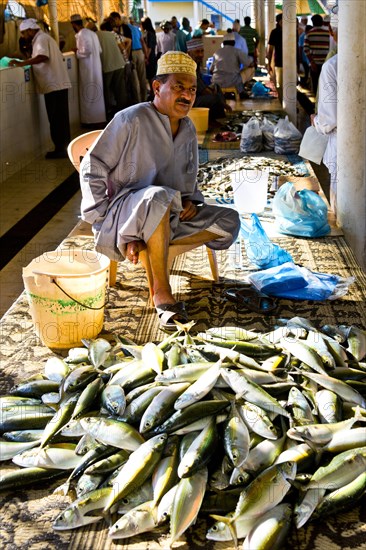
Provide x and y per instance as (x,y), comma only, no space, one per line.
(133,249)
(163,296)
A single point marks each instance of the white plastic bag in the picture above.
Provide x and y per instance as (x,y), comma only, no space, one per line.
(287,137)
(267,128)
(313,145)
(251,137)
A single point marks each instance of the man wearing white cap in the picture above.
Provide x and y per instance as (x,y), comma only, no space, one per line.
(228,62)
(139,183)
(88,50)
(52,80)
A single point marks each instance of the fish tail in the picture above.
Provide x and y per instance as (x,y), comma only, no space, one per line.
(229,523)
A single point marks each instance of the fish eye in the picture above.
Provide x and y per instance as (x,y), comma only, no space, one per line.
(214,528)
(125,500)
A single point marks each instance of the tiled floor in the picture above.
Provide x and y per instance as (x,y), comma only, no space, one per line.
(19,194)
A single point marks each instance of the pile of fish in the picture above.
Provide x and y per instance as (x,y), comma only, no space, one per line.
(214,177)
(258,431)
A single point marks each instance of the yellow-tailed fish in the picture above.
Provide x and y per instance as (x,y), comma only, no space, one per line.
(304,353)
(56,369)
(153,357)
(220,531)
(329,406)
(345,440)
(343,498)
(60,419)
(112,432)
(26,476)
(83,510)
(257,420)
(270,530)
(136,497)
(8,449)
(113,399)
(136,408)
(251,392)
(337,386)
(342,469)
(99,352)
(236,437)
(184,417)
(59,456)
(165,475)
(305,508)
(141,519)
(187,502)
(161,407)
(200,451)
(201,387)
(138,468)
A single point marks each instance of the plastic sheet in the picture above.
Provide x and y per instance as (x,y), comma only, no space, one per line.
(299,283)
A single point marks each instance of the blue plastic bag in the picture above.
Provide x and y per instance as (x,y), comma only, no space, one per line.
(301,213)
(299,283)
(259,90)
(261,251)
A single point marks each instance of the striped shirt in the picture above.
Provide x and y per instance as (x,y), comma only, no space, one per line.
(316,45)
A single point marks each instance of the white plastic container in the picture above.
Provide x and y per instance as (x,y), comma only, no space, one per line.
(250,190)
(66,294)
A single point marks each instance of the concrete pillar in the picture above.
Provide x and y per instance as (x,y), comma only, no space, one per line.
(52,12)
(289,58)
(100,11)
(351,125)
(270,18)
(260,26)
(196,14)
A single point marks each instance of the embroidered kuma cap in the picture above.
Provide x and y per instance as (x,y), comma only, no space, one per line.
(29,24)
(176,63)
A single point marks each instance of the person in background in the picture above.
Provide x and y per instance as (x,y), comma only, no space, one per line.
(136,205)
(180,36)
(316,48)
(88,51)
(139,56)
(206,96)
(303,24)
(52,80)
(275,47)
(252,38)
(304,81)
(150,41)
(165,41)
(240,42)
(228,62)
(186,28)
(325,121)
(113,65)
(201,29)
(121,26)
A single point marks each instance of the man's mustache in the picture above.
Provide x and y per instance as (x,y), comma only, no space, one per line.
(184,101)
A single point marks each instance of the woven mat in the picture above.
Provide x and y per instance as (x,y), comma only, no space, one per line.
(27,515)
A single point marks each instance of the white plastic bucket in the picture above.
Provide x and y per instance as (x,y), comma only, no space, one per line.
(66,294)
(199,117)
(250,190)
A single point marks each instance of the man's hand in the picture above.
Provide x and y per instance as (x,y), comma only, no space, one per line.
(189,211)
(15,63)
